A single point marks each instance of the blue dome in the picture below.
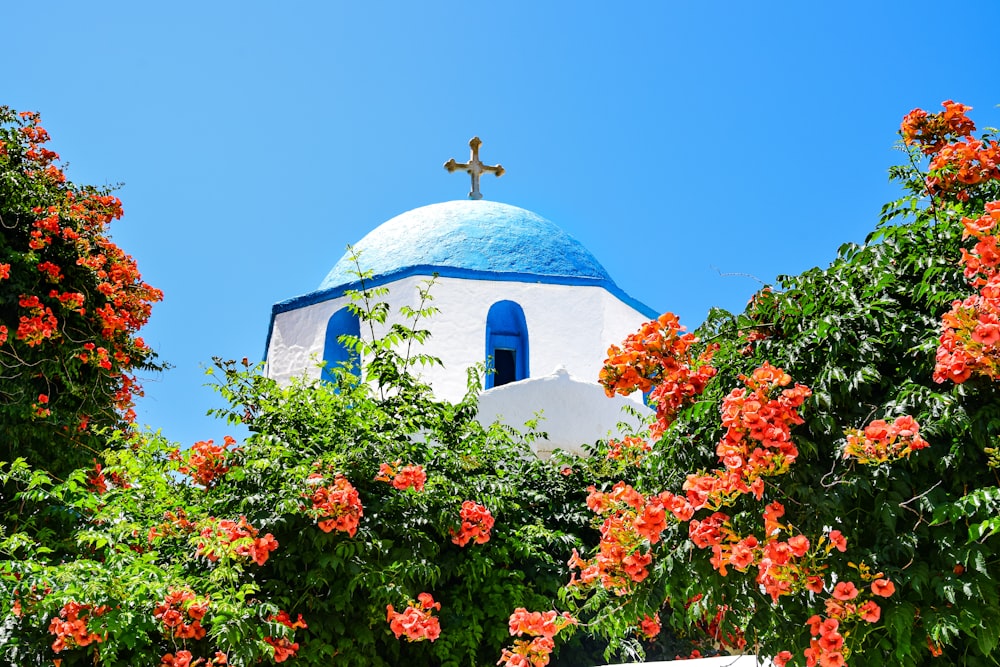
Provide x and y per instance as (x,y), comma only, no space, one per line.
(460,238)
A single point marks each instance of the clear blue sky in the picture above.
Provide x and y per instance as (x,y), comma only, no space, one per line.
(688,145)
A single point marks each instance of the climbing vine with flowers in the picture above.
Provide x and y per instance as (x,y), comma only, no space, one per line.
(820,484)
(71,305)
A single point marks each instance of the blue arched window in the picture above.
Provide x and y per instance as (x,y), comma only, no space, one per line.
(334,353)
(506,344)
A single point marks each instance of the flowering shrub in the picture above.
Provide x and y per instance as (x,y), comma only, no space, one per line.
(298,545)
(71,305)
(849,519)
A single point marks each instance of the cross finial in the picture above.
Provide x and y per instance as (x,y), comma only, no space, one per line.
(474,167)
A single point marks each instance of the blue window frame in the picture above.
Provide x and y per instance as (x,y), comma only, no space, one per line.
(342,322)
(506,344)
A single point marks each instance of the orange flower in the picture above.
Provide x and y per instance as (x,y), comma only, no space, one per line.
(650,627)
(283,648)
(883,587)
(870,611)
(845,590)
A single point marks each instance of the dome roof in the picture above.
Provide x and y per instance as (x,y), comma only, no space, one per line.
(467,237)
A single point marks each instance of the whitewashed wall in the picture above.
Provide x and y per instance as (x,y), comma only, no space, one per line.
(573,412)
(568,326)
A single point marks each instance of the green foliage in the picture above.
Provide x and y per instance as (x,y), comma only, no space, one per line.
(126,536)
(862,334)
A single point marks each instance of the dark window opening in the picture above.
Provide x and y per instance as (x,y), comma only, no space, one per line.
(504,366)
(506,344)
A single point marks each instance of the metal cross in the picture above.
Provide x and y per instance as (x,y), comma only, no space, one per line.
(474,167)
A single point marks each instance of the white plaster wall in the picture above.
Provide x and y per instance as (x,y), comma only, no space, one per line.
(573,412)
(568,326)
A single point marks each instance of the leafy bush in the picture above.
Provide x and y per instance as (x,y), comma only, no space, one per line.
(843,508)
(321,537)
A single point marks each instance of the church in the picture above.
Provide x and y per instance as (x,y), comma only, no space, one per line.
(514,291)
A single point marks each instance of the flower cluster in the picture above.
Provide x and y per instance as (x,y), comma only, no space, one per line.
(39,406)
(181,612)
(970,338)
(957,159)
(658,355)
(335,507)
(779,571)
(880,441)
(77,287)
(958,165)
(206,462)
(476,524)
(283,648)
(846,604)
(542,627)
(402,478)
(175,523)
(757,442)
(70,627)
(632,523)
(224,537)
(417,621)
(723,635)
(38,324)
(97,480)
(932,131)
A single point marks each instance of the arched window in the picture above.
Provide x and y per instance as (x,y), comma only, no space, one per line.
(506,344)
(334,353)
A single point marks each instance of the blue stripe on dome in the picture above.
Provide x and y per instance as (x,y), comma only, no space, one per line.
(477,236)
(474,240)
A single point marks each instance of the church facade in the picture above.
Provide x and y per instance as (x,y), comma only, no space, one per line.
(513,290)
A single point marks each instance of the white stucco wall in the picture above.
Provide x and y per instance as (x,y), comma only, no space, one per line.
(568,326)
(573,412)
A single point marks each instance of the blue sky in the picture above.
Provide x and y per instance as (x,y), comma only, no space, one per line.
(695,148)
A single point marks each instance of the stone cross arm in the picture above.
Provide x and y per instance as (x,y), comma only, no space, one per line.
(474,167)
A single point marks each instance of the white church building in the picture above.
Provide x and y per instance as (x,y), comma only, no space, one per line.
(513,290)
